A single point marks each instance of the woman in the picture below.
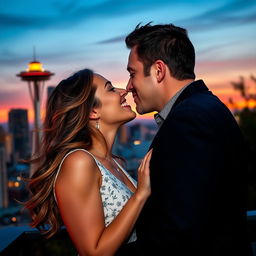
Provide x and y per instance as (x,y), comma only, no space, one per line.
(79,183)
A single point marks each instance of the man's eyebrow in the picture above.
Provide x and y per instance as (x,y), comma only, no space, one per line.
(107,83)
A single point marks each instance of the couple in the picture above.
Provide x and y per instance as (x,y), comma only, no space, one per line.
(190,196)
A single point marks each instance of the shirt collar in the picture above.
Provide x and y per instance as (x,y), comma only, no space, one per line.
(161,116)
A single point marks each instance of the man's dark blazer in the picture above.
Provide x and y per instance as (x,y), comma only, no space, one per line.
(199,182)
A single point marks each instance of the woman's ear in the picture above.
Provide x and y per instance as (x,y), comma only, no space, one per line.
(94,115)
(160,70)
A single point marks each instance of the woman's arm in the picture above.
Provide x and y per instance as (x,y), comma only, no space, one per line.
(80,205)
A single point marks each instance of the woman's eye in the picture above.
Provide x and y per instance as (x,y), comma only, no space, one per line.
(131,75)
(112,89)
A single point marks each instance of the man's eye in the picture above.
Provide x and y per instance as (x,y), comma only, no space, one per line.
(131,75)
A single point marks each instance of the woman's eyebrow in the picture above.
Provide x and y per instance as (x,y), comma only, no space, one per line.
(107,83)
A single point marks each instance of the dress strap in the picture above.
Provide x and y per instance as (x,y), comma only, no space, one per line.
(58,171)
(126,174)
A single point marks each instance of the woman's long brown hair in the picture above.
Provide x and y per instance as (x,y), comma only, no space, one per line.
(66,127)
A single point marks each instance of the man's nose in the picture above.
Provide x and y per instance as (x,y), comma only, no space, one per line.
(129,86)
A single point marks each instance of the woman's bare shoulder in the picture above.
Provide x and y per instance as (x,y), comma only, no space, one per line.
(80,157)
(79,166)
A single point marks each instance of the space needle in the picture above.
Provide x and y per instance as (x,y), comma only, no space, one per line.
(35,76)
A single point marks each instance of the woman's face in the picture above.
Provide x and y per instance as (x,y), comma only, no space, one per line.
(113,108)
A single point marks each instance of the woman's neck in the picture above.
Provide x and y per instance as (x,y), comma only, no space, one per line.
(102,145)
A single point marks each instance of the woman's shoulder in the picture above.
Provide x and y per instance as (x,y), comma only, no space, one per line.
(79,163)
(79,156)
(78,172)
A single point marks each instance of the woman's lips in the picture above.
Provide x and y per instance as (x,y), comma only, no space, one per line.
(124,104)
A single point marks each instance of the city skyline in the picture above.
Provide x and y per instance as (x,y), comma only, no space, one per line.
(69,36)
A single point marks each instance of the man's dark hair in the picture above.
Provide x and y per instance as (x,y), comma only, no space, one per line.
(168,43)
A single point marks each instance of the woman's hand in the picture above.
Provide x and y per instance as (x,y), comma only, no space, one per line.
(144,187)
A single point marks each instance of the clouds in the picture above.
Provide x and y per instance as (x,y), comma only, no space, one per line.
(70,35)
(67,14)
(116,39)
(232,13)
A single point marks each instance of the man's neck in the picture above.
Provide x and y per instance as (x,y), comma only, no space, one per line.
(171,89)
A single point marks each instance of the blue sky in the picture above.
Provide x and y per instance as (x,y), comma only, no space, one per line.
(71,35)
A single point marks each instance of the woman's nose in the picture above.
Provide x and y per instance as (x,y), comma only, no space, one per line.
(123,92)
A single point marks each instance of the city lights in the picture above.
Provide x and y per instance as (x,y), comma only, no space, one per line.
(137,142)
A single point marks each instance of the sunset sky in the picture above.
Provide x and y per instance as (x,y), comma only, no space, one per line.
(71,35)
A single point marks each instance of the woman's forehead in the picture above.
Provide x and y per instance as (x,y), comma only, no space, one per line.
(99,80)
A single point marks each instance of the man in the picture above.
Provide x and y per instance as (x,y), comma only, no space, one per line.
(198,169)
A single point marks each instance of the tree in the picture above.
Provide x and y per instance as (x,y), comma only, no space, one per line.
(247,122)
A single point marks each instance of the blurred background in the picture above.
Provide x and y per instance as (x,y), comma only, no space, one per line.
(57,38)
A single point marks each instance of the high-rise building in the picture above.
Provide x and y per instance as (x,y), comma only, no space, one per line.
(123,134)
(19,128)
(3,178)
(6,139)
(137,131)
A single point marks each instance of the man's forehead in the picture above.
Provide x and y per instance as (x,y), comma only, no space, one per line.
(132,59)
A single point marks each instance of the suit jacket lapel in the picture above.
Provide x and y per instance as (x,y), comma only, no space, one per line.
(194,87)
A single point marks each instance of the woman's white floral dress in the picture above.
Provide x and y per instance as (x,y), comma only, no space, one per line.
(114,193)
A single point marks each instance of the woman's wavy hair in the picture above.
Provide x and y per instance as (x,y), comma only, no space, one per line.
(66,127)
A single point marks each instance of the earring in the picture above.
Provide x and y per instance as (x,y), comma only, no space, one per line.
(97,124)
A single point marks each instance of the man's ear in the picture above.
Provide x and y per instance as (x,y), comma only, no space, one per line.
(160,70)
(94,115)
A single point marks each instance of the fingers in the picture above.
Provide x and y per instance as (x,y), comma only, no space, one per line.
(144,187)
(147,157)
(145,162)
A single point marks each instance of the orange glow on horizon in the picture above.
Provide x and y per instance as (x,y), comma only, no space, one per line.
(238,104)
(223,91)
(4,114)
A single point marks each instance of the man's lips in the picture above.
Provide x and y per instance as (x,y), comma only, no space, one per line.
(135,96)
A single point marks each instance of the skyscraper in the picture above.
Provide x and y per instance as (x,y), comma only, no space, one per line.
(3,178)
(19,128)
(6,140)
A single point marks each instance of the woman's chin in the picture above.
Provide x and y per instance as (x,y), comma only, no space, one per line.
(132,116)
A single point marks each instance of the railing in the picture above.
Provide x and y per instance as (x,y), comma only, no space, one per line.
(251,224)
(26,241)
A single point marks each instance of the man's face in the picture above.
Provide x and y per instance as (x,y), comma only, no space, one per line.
(141,86)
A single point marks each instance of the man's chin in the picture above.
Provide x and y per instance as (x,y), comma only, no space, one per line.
(140,110)
(134,116)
